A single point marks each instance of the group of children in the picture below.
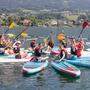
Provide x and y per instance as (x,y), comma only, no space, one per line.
(76,48)
(8,47)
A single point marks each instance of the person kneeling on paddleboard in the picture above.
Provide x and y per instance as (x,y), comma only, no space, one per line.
(16,49)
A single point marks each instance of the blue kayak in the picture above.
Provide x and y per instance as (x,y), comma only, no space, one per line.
(32,67)
(84,61)
(7,56)
(66,68)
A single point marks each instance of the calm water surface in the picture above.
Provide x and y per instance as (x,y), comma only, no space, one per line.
(11,77)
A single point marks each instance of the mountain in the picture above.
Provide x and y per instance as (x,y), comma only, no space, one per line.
(45,4)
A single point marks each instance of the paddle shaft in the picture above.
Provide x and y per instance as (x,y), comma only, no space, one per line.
(62,57)
(81,33)
(6,31)
(21,33)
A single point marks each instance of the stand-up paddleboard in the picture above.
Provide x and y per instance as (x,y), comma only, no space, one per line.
(66,68)
(83,61)
(35,66)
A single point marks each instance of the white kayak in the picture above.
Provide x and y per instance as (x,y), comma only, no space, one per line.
(9,60)
(32,67)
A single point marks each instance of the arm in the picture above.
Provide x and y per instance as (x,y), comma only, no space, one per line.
(62,56)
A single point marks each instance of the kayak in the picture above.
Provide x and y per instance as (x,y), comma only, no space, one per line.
(33,67)
(83,61)
(7,60)
(66,68)
(11,59)
(7,56)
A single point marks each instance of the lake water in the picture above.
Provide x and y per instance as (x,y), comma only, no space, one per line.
(11,77)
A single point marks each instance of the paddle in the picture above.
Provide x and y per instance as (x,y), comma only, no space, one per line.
(10,27)
(6,31)
(21,33)
(84,25)
(18,35)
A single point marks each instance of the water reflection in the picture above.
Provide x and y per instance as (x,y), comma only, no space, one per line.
(11,78)
(9,73)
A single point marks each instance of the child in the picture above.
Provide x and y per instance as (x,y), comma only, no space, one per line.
(16,49)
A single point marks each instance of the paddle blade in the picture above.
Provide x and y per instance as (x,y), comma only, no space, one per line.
(85,24)
(60,36)
(10,35)
(24,34)
(12,25)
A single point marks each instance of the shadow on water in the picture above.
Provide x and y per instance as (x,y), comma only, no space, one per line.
(28,75)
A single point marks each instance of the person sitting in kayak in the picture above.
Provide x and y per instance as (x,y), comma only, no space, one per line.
(16,49)
(2,46)
(73,47)
(45,42)
(50,41)
(33,44)
(2,51)
(63,51)
(51,44)
(79,48)
(65,54)
(64,42)
(8,51)
(38,50)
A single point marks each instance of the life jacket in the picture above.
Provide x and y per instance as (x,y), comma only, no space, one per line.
(32,45)
(73,50)
(37,51)
(61,53)
(79,49)
(51,43)
(79,46)
(16,50)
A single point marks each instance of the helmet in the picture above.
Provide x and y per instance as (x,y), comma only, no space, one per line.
(18,42)
(15,44)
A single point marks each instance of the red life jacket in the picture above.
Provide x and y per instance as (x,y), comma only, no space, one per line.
(32,44)
(37,48)
(79,49)
(79,46)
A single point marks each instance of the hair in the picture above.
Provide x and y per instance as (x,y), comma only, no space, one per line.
(0,36)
